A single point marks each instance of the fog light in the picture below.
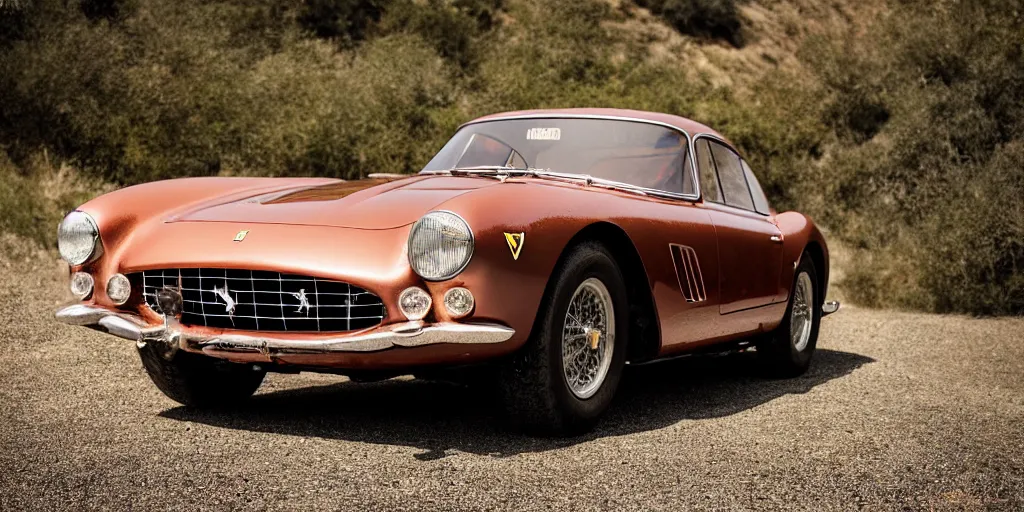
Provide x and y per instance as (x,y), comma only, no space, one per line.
(81,284)
(119,289)
(458,301)
(414,302)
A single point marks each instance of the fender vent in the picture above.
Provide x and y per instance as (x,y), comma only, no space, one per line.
(691,282)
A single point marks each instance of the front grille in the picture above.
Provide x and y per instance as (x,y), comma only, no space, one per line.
(265,301)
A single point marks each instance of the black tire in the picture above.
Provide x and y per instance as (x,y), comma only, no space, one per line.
(777,351)
(200,381)
(536,395)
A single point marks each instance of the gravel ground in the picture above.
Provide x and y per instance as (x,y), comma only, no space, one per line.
(898,411)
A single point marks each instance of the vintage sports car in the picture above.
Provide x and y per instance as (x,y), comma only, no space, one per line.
(553,246)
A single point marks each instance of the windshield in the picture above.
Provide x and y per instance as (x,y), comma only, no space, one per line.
(636,153)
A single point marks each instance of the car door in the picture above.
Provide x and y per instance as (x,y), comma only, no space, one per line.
(749,242)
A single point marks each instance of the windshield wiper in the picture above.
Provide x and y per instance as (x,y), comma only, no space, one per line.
(503,173)
(589,180)
(481,169)
(490,171)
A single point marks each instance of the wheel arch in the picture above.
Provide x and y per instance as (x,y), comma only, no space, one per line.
(817,254)
(644,328)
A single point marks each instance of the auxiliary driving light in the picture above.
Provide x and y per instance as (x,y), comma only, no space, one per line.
(414,302)
(459,302)
(119,289)
(81,284)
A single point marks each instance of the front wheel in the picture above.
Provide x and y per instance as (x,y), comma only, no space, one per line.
(567,374)
(200,381)
(787,351)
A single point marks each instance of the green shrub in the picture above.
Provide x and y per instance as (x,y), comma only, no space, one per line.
(934,194)
(345,20)
(713,19)
(452,28)
(111,10)
(35,197)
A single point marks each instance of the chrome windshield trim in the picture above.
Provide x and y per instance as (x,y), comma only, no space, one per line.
(624,186)
(503,174)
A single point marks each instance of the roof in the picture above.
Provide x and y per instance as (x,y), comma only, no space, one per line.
(689,126)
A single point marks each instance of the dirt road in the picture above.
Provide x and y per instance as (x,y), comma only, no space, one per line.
(899,410)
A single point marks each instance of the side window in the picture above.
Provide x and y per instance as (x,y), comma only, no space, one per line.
(760,201)
(706,166)
(730,176)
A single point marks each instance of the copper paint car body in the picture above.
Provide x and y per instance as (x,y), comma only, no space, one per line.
(356,232)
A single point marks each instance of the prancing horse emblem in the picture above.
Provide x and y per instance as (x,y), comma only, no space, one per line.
(225,295)
(303,301)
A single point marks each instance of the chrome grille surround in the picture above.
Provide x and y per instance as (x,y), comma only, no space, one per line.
(257,300)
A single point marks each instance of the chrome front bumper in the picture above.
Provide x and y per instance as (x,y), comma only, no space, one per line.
(409,334)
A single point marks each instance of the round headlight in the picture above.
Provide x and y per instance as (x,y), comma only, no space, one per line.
(119,289)
(78,238)
(440,246)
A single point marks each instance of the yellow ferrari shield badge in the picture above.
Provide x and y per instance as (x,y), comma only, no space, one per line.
(515,243)
(241,235)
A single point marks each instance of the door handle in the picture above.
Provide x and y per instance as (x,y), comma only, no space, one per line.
(776,238)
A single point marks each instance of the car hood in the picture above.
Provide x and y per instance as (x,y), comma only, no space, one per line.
(365,204)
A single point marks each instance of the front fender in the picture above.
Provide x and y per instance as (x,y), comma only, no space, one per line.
(509,287)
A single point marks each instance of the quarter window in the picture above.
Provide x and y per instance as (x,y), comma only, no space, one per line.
(706,166)
(760,201)
(730,177)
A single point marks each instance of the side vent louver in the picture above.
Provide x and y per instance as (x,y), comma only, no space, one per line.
(691,282)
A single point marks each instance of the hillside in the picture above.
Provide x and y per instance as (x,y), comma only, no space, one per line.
(896,124)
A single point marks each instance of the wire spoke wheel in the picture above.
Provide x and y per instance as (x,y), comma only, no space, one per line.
(802,317)
(588,338)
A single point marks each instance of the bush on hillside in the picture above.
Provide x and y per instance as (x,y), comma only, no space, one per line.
(938,187)
(453,28)
(712,19)
(36,196)
(345,20)
(110,10)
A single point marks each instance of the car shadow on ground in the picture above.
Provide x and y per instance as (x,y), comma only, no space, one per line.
(440,417)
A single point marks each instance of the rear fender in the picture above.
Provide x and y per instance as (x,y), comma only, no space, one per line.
(801,235)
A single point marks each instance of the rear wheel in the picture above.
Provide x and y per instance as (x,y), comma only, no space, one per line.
(200,381)
(567,374)
(787,351)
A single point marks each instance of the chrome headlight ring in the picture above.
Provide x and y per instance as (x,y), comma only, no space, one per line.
(440,245)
